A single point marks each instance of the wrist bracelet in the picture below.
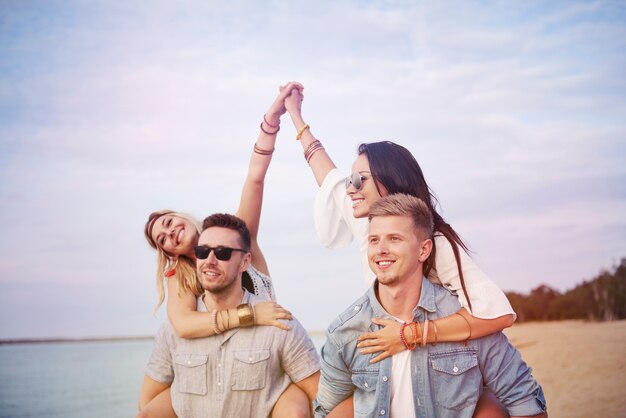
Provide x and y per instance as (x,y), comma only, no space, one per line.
(263,151)
(269,124)
(425,335)
(268,132)
(246,315)
(301,131)
(402,338)
(216,329)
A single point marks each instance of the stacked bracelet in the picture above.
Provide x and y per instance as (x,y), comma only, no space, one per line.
(312,149)
(301,131)
(246,315)
(268,132)
(468,325)
(216,329)
(269,124)
(263,151)
(425,333)
(402,338)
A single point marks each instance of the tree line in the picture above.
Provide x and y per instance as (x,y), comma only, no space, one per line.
(602,298)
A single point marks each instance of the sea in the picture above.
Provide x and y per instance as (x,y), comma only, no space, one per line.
(97,379)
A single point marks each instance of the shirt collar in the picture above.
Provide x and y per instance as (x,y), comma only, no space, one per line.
(426,301)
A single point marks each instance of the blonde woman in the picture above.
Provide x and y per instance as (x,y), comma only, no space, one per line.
(174,236)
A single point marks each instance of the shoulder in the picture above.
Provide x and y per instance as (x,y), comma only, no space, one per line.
(351,321)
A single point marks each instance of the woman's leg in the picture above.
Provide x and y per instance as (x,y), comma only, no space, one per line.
(293,403)
(159,407)
(489,406)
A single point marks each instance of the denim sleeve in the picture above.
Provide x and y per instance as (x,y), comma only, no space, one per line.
(335,381)
(509,377)
(160,367)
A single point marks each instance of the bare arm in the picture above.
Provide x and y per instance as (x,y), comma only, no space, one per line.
(252,194)
(451,328)
(320,162)
(156,397)
(189,323)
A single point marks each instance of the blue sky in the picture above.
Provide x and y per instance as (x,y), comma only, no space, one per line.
(108,111)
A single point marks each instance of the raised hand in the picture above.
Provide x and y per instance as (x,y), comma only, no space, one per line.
(387,340)
(269,313)
(277,109)
(293,102)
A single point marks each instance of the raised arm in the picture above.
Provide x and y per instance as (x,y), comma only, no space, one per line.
(318,160)
(252,194)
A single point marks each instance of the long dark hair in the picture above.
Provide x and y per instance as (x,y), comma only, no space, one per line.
(394,167)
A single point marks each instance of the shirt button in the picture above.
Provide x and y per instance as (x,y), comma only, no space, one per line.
(249,358)
(366,385)
(188,362)
(383,412)
(455,369)
(357,307)
(385,378)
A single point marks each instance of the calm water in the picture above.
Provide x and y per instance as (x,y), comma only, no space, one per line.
(73,380)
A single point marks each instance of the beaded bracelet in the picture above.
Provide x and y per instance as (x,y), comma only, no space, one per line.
(404,324)
(414,329)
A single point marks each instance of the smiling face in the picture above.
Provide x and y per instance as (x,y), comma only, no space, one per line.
(363,198)
(396,250)
(217,276)
(175,234)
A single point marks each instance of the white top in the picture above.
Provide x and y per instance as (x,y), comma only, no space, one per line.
(262,283)
(336,227)
(401,404)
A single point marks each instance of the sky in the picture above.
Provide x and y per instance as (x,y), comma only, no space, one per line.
(109,110)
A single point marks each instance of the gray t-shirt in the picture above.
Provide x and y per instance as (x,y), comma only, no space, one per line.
(240,373)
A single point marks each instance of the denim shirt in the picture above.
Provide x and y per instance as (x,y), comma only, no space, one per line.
(447,378)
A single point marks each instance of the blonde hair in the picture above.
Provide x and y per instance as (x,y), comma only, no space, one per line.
(183,266)
(400,204)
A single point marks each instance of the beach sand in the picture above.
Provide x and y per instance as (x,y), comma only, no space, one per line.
(580,365)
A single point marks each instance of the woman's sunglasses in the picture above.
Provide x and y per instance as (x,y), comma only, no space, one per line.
(221,253)
(356,180)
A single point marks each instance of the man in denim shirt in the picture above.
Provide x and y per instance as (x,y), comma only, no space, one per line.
(443,380)
(240,372)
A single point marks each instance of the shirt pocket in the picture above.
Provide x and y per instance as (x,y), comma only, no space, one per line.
(191,373)
(365,394)
(455,378)
(249,369)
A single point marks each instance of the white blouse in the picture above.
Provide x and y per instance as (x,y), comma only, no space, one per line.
(261,284)
(336,227)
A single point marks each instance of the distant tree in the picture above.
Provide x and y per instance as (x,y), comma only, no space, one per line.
(602,298)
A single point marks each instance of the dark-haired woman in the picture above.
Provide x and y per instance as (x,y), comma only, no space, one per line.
(341,210)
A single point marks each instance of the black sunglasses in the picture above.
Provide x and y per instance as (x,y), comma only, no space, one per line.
(221,253)
(356,180)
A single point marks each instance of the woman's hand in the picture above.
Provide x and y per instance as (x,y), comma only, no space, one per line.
(277,109)
(269,313)
(293,102)
(386,340)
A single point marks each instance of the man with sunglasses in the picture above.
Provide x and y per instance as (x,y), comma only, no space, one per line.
(243,371)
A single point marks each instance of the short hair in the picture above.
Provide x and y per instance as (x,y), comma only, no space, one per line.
(232,222)
(400,204)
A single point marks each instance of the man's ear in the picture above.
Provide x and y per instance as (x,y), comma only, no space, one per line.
(425,249)
(245,262)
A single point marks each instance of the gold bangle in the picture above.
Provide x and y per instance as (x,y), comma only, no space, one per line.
(301,131)
(245,314)
(433,325)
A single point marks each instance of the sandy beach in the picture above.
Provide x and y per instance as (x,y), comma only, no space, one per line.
(581,365)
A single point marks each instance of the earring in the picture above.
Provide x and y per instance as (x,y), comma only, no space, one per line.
(172,271)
